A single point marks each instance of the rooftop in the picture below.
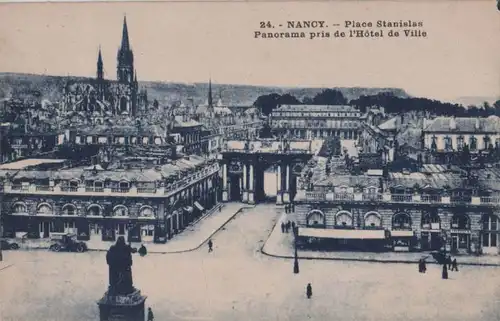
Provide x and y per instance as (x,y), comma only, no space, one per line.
(490,124)
(22,164)
(315,108)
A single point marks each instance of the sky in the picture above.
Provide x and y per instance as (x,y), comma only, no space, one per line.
(190,42)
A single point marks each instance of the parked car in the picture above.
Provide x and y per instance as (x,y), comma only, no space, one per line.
(66,242)
(439,256)
(7,244)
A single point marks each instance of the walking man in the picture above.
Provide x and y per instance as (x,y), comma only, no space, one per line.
(309,291)
(151,317)
(210,246)
(454,265)
(282,227)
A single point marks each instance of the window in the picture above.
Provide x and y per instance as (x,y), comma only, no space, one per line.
(401,221)
(343,219)
(487,141)
(431,221)
(147,211)
(473,143)
(460,222)
(120,210)
(372,220)
(448,143)
(19,208)
(69,209)
(44,209)
(315,218)
(434,143)
(491,227)
(460,142)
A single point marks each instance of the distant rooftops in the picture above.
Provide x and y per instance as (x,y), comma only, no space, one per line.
(25,163)
(315,108)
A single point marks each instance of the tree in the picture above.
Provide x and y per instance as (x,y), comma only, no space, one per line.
(267,103)
(330,97)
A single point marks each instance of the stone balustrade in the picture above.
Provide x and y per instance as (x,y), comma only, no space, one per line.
(57,189)
(395,198)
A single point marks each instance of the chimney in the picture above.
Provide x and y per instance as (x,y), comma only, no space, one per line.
(453,123)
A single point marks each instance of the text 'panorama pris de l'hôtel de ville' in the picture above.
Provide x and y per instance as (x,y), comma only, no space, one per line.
(317,29)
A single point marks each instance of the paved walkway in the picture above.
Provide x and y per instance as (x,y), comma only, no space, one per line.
(281,245)
(193,237)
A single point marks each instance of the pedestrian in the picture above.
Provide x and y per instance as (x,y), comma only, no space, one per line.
(293,226)
(293,207)
(424,266)
(286,209)
(288,226)
(151,316)
(454,265)
(444,275)
(309,291)
(220,208)
(142,250)
(448,262)
(210,246)
(420,266)
(282,227)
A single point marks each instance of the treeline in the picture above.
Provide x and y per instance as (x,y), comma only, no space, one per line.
(391,103)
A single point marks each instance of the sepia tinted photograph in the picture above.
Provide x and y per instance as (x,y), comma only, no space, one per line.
(217,161)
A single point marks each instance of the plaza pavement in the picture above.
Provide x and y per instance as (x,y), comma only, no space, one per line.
(237,282)
(193,236)
(280,245)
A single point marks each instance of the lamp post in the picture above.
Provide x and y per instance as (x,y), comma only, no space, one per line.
(296,258)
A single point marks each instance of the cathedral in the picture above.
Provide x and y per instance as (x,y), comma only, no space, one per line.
(101,101)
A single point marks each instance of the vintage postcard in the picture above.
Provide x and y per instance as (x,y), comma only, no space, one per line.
(250,161)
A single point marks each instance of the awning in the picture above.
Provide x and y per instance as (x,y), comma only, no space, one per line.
(402,233)
(198,206)
(342,234)
(188,209)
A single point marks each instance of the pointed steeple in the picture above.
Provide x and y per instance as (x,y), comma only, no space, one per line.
(125,42)
(210,99)
(100,66)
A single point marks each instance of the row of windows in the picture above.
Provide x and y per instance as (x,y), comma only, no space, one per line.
(403,221)
(92,210)
(316,114)
(448,142)
(117,140)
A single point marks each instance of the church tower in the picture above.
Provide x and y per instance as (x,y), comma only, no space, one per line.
(210,107)
(125,57)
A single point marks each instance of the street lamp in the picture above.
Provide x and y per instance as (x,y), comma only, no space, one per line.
(296,257)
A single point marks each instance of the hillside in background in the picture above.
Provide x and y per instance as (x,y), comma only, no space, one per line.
(50,87)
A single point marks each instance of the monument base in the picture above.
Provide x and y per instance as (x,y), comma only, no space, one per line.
(128,307)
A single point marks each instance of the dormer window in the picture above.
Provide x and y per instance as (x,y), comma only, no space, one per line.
(487,141)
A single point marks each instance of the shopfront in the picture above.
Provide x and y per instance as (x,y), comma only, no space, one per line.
(460,233)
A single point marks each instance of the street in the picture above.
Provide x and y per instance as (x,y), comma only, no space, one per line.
(237,282)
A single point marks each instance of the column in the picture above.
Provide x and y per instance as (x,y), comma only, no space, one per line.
(251,192)
(286,192)
(245,185)
(225,194)
(279,195)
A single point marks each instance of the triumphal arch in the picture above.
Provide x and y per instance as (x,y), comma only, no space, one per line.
(245,161)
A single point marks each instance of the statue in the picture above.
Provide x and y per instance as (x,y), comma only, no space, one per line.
(119,259)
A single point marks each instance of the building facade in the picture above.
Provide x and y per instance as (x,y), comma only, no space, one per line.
(444,137)
(140,204)
(316,121)
(428,210)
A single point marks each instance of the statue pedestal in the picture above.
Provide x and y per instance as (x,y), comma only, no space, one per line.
(128,307)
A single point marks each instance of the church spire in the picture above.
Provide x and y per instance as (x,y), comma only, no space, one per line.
(125,42)
(125,57)
(100,66)
(210,100)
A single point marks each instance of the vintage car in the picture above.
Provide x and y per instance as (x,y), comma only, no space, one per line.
(7,244)
(66,242)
